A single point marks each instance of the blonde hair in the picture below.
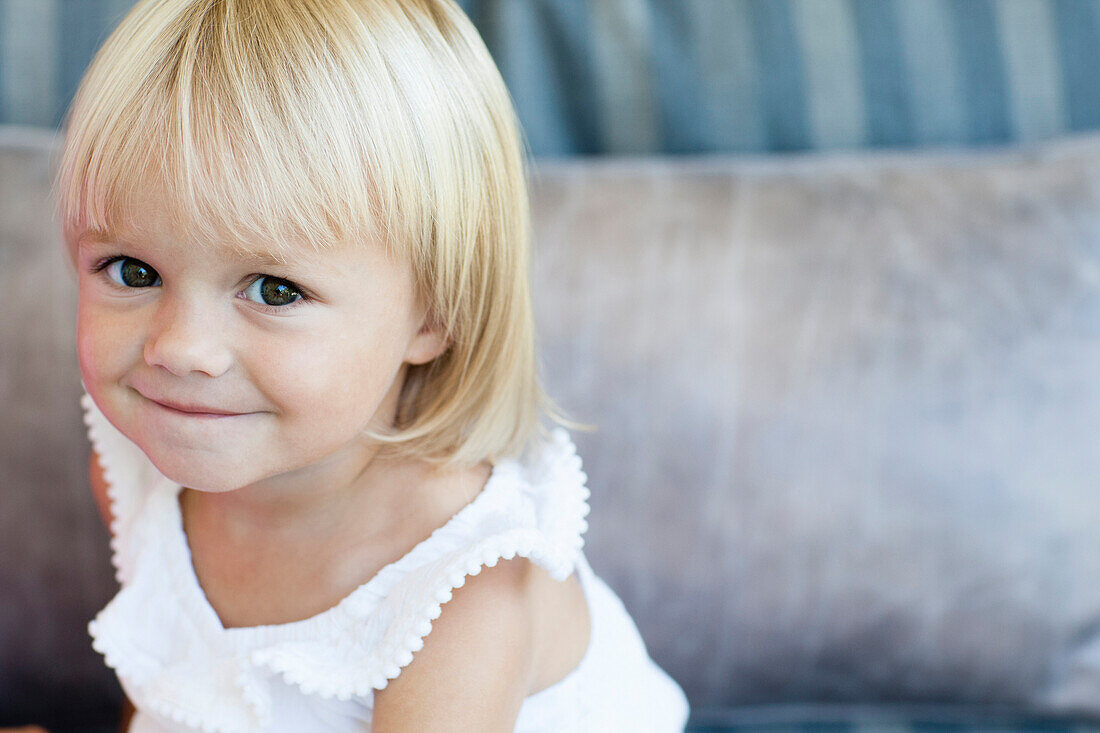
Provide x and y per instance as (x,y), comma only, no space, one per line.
(325,121)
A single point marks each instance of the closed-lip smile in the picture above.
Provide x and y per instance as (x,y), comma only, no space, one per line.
(195,409)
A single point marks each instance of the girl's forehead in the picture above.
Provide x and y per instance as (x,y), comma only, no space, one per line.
(153,227)
(205,214)
(146,214)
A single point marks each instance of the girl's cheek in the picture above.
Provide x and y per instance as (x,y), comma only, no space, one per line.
(86,335)
(324,368)
(103,342)
(282,366)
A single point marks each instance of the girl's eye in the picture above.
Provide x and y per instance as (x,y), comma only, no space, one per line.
(272,291)
(131,273)
(127,272)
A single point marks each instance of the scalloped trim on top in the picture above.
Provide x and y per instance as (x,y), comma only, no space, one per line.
(556,548)
(395,650)
(249,707)
(525,543)
(568,524)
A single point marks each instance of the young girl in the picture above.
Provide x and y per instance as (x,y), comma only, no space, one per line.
(301,232)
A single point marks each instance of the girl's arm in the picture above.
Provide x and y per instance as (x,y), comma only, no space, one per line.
(476,665)
(99,491)
(125,715)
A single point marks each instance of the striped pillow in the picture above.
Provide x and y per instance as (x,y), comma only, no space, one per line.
(700,76)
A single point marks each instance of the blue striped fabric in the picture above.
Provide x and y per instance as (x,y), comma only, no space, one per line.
(1076,26)
(880,718)
(632,77)
(888,109)
(856,726)
(782,84)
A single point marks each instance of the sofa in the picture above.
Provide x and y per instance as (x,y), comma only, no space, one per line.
(845,468)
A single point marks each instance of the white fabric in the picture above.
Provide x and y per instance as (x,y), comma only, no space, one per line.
(184,671)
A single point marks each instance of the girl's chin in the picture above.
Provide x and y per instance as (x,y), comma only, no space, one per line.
(202,475)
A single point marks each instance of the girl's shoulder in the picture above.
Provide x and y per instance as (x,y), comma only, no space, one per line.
(533,506)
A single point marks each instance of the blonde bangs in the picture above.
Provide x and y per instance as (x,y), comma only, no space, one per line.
(268,125)
(180,100)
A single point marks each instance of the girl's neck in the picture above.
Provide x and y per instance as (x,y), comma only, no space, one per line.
(329,498)
(395,504)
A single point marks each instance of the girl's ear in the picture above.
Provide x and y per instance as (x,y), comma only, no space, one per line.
(428,343)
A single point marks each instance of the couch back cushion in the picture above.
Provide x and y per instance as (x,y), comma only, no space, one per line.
(848,411)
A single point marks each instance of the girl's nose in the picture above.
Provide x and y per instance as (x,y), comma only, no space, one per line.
(185,337)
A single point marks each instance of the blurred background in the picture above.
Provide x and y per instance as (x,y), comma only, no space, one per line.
(826,273)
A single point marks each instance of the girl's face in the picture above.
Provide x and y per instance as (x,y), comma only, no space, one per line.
(301,358)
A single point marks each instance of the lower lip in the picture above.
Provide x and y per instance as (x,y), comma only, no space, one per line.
(197,415)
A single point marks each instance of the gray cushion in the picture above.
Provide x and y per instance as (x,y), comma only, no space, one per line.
(848,412)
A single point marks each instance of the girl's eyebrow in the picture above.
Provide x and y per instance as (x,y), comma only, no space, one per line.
(92,239)
(98,239)
(262,258)
(90,236)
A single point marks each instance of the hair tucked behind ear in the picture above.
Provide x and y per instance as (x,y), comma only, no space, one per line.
(384,122)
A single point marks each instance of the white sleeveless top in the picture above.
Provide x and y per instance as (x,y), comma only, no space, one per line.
(185,672)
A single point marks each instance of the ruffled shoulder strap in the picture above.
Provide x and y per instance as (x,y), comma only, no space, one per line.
(129,474)
(534,507)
